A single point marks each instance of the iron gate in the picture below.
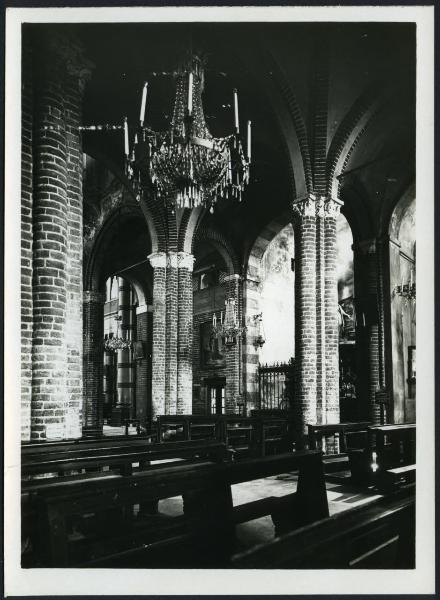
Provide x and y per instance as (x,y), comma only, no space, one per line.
(276,385)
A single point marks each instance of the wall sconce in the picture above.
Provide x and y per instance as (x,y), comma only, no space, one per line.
(406,290)
(260,338)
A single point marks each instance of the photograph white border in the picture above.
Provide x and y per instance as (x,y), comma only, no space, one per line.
(30,582)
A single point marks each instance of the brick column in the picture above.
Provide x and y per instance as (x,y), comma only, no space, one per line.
(78,71)
(171,335)
(305,312)
(184,333)
(93,361)
(125,367)
(50,229)
(26,239)
(332,208)
(251,307)
(143,365)
(321,399)
(367,322)
(159,263)
(233,353)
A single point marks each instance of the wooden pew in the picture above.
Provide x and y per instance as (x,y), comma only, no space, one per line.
(388,458)
(343,430)
(114,456)
(395,448)
(207,531)
(247,436)
(376,535)
(188,427)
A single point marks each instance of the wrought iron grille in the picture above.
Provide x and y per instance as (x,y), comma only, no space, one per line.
(276,385)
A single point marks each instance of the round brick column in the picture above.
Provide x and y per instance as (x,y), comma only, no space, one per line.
(320,313)
(143,365)
(171,335)
(158,261)
(184,332)
(332,208)
(49,359)
(93,361)
(305,313)
(233,353)
(125,366)
(365,260)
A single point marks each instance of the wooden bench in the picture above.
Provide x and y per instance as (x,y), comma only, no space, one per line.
(343,430)
(376,535)
(188,427)
(247,436)
(388,459)
(119,456)
(207,529)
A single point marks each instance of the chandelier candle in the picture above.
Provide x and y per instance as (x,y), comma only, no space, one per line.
(126,136)
(249,141)
(143,103)
(190,93)
(237,128)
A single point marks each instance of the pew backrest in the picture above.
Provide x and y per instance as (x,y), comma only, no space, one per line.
(378,534)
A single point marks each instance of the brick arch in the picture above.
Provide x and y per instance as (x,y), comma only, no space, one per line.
(291,129)
(94,260)
(128,197)
(301,174)
(350,132)
(357,212)
(222,245)
(258,248)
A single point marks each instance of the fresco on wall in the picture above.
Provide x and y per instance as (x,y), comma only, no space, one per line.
(278,298)
(345,273)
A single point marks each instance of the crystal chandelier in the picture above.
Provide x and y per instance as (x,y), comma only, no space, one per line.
(186,166)
(228,328)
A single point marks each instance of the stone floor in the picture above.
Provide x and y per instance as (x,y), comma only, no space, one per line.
(341,496)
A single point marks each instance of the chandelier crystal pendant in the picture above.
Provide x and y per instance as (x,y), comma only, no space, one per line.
(228,328)
(186,166)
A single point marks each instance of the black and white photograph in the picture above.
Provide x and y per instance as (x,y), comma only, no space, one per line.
(212,217)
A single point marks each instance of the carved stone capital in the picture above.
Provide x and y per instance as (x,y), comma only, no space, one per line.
(320,203)
(172,260)
(305,207)
(332,207)
(158,260)
(185,261)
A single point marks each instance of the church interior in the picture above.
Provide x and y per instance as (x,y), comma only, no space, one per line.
(218,283)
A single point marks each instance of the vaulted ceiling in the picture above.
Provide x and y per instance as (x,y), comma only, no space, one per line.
(370,85)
